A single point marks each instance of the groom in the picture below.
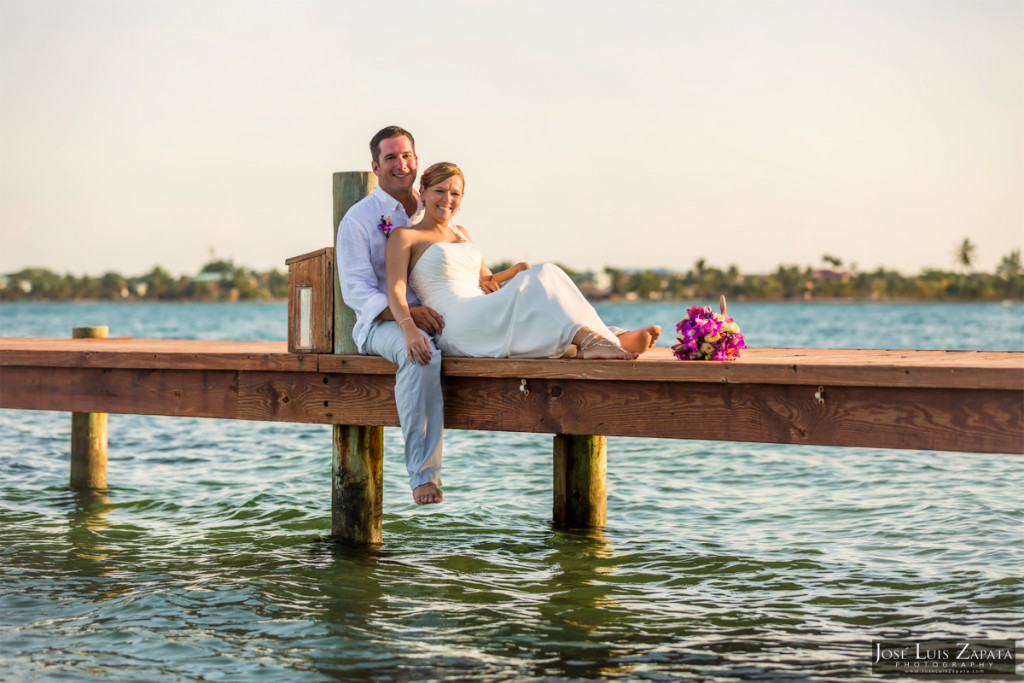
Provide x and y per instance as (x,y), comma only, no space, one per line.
(362,236)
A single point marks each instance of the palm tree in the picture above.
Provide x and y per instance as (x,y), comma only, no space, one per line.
(1010,271)
(965,254)
(1010,266)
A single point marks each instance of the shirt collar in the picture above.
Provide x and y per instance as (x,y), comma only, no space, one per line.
(393,204)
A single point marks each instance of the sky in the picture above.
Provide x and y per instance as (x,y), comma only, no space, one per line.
(641,134)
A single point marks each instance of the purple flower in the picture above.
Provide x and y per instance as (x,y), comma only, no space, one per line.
(385,225)
(697,330)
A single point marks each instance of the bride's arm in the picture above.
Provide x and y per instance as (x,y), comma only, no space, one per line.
(490,282)
(504,275)
(396,268)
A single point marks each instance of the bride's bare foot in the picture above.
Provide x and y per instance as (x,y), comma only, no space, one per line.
(428,493)
(607,351)
(593,346)
(640,340)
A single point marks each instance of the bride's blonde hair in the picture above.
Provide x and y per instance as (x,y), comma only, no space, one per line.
(440,172)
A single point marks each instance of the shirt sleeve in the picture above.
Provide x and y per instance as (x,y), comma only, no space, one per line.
(360,288)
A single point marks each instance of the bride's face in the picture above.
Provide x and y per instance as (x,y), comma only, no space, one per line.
(441,201)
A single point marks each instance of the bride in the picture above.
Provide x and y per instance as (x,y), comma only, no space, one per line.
(521,312)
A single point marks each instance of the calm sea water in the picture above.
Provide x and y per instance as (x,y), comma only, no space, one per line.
(207,560)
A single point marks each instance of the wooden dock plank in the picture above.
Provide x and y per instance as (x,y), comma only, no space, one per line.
(930,419)
(952,369)
(943,419)
(318,398)
(182,393)
(824,367)
(856,367)
(154,353)
(969,401)
(849,367)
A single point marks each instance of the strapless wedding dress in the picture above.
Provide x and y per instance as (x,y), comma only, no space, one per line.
(535,315)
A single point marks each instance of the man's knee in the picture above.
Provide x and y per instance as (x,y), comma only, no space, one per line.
(435,362)
(431,369)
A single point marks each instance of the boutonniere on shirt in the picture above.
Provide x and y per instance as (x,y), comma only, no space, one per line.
(385,225)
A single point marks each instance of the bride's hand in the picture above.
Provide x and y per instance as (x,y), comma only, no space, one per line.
(417,347)
(489,286)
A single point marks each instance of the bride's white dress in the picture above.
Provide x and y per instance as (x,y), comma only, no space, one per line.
(535,315)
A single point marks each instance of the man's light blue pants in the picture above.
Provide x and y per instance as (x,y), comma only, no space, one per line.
(419,400)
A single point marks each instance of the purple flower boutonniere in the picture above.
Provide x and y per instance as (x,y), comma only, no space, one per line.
(385,225)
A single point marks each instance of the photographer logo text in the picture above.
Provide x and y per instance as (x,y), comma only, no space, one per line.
(944,657)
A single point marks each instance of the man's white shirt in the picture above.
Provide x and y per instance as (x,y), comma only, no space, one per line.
(360,254)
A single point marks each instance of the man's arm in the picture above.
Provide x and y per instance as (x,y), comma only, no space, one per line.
(359,283)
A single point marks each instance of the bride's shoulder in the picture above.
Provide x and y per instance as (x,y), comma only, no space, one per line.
(406,235)
(461,230)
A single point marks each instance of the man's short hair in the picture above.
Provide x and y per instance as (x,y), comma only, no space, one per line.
(385,133)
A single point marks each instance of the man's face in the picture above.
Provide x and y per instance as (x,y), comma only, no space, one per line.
(397,165)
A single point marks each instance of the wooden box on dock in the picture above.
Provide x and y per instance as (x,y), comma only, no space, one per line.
(311,302)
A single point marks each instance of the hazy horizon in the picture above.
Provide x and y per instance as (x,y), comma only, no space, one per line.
(648,135)
(852,268)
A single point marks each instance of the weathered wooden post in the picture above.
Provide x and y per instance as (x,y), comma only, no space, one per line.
(89,435)
(358,452)
(580,480)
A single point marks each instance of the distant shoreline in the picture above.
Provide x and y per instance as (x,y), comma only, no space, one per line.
(685,302)
(223,281)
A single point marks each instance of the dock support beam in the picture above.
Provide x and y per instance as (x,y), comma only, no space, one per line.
(357,483)
(89,435)
(580,480)
(358,452)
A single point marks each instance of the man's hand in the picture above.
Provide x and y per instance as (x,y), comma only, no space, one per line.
(427,319)
(489,286)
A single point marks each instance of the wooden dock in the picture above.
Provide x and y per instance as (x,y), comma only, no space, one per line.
(969,401)
(933,400)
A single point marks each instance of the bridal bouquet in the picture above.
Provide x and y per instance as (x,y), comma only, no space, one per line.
(704,335)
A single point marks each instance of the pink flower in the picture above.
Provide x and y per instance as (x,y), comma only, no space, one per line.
(705,335)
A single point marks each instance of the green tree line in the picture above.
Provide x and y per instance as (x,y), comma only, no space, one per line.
(827,281)
(224,281)
(217,281)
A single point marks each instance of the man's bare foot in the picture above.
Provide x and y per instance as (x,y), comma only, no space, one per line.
(428,493)
(640,340)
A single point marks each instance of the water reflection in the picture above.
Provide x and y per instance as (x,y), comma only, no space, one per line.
(581,614)
(87,519)
(90,553)
(347,598)
(350,586)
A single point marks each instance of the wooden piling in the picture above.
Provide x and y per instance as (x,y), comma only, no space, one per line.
(89,435)
(349,188)
(357,483)
(358,451)
(580,476)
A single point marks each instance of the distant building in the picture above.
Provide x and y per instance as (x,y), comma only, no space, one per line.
(832,275)
(593,285)
(210,276)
